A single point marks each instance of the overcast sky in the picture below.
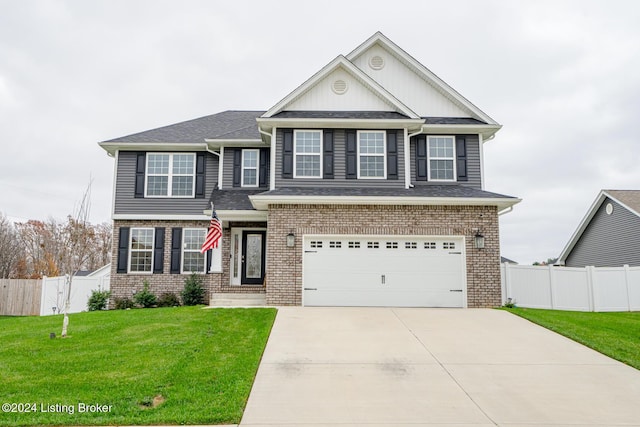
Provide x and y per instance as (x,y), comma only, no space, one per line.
(562,77)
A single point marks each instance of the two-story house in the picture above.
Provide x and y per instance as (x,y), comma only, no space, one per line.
(362,187)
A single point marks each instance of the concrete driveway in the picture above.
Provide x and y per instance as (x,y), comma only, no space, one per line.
(433,367)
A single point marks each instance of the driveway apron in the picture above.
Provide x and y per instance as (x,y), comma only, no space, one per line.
(433,367)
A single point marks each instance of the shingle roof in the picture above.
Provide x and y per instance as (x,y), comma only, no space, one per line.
(417,191)
(233,199)
(225,125)
(631,198)
(452,121)
(366,115)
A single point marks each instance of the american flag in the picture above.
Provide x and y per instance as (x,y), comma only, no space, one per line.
(213,234)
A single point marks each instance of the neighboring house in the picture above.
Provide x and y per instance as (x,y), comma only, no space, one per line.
(504,260)
(609,235)
(362,187)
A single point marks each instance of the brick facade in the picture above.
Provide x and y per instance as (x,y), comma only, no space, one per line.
(284,264)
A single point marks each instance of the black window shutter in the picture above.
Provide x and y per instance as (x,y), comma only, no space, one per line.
(264,167)
(158,251)
(421,158)
(392,154)
(327,153)
(287,153)
(123,250)
(237,167)
(352,154)
(141,163)
(461,158)
(176,250)
(200,166)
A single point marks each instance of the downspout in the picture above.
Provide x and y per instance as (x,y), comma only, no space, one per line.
(407,156)
(505,211)
(272,152)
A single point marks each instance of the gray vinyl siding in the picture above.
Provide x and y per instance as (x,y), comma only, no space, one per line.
(609,240)
(474,174)
(126,203)
(227,168)
(339,166)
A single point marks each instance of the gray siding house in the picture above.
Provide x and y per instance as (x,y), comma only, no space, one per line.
(609,234)
(362,187)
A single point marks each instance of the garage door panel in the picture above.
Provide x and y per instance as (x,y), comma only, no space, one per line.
(374,271)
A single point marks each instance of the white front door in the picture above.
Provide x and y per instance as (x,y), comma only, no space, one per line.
(395,271)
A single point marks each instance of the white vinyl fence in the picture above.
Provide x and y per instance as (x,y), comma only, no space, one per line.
(54,293)
(569,288)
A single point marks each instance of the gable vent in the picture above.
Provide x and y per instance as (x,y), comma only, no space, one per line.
(339,87)
(376,62)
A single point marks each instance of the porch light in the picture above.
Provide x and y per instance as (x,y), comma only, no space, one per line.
(479,241)
(291,240)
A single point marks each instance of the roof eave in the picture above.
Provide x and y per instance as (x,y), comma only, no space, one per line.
(487,131)
(262,201)
(268,123)
(112,147)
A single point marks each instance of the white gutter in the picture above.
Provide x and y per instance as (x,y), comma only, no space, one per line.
(505,211)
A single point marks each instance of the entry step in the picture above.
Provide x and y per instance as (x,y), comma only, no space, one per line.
(224,299)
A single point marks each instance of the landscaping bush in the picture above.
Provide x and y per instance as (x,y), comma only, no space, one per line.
(98,300)
(123,303)
(193,292)
(145,298)
(168,299)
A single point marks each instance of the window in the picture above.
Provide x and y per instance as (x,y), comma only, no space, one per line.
(307,156)
(193,261)
(250,161)
(392,245)
(335,245)
(373,245)
(410,245)
(141,246)
(448,245)
(441,158)
(170,175)
(354,245)
(371,154)
(316,244)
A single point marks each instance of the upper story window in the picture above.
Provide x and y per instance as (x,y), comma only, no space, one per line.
(193,261)
(372,154)
(250,162)
(307,154)
(170,174)
(141,246)
(442,154)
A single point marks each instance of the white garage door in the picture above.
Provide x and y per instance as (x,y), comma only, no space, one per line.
(375,271)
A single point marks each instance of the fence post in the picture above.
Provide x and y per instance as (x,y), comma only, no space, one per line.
(626,283)
(43,295)
(591,280)
(507,281)
(552,285)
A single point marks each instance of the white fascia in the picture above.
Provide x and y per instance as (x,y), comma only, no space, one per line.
(160,217)
(487,131)
(217,143)
(262,202)
(112,147)
(238,215)
(266,123)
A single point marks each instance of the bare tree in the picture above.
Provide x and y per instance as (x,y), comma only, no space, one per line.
(78,242)
(11,250)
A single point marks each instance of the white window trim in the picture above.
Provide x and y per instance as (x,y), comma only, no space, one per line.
(295,153)
(183,250)
(453,159)
(383,155)
(131,250)
(257,168)
(170,176)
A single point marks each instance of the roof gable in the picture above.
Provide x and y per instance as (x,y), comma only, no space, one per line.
(322,93)
(628,199)
(413,83)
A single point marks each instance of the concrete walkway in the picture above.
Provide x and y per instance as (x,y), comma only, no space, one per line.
(387,367)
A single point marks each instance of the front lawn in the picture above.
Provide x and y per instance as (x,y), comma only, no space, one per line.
(181,365)
(616,335)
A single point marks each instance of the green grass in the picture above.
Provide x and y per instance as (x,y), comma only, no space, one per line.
(201,362)
(616,335)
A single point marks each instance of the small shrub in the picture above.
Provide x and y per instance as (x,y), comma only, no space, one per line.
(193,292)
(511,303)
(98,300)
(168,299)
(123,303)
(145,298)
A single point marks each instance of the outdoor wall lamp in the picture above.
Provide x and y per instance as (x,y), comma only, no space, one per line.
(291,240)
(479,241)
